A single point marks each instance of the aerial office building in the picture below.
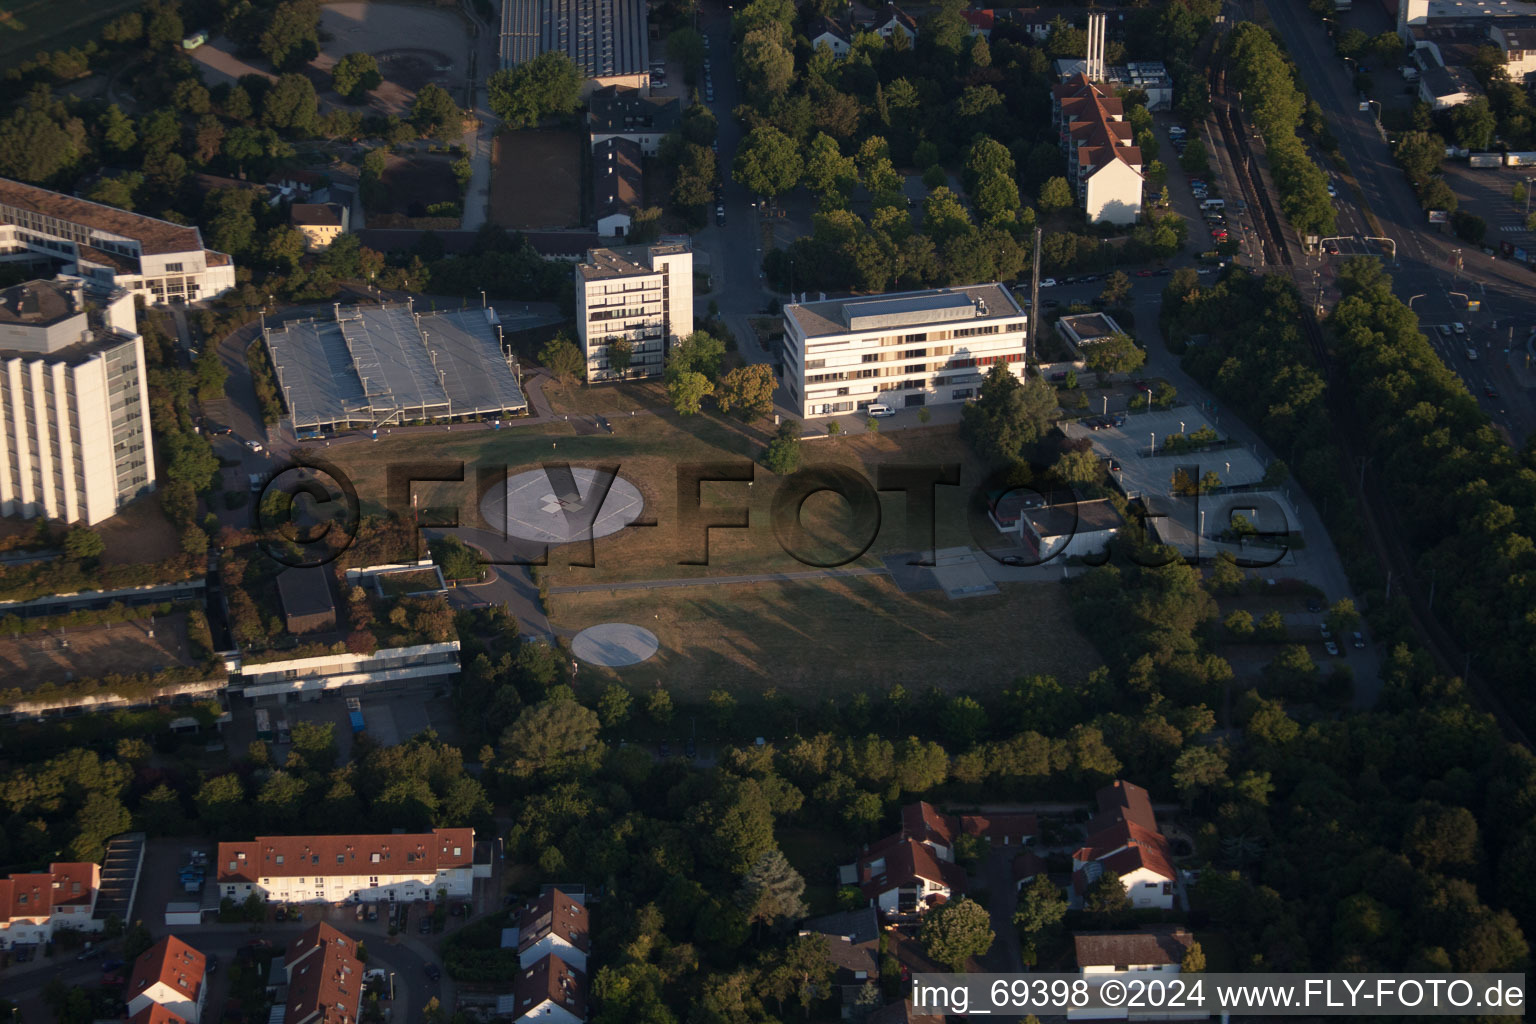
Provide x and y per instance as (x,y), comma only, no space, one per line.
(109,248)
(75,443)
(900,350)
(639,294)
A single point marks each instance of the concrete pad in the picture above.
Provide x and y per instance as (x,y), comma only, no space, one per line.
(614,644)
(552,505)
(961,575)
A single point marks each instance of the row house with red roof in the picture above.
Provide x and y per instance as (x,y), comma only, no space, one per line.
(1104,165)
(914,869)
(554,925)
(1124,838)
(350,868)
(325,978)
(168,983)
(33,906)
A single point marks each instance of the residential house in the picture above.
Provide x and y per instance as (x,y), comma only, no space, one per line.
(891,19)
(1155,951)
(904,876)
(1124,838)
(549,991)
(981,20)
(828,32)
(334,869)
(319,223)
(1027,866)
(33,906)
(1104,166)
(631,114)
(170,973)
(616,184)
(154,1013)
(325,978)
(554,925)
(853,945)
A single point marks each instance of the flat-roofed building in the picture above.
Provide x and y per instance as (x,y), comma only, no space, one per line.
(607,39)
(109,248)
(640,294)
(336,869)
(307,603)
(903,349)
(1087,328)
(74,401)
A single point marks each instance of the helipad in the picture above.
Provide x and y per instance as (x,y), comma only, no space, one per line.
(555,505)
(614,644)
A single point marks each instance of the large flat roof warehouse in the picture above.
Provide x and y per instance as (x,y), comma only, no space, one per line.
(603,37)
(830,317)
(374,365)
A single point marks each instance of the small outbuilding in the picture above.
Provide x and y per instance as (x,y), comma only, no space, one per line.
(307,602)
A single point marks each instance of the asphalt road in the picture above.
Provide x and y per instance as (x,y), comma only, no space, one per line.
(1425,271)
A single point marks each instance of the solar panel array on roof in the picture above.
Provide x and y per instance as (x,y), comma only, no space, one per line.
(375,365)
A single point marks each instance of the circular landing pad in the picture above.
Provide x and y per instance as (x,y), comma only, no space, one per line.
(614,644)
(552,506)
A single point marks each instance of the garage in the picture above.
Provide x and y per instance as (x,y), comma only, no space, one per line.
(183,914)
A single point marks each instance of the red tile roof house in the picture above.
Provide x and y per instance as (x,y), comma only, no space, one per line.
(914,869)
(853,946)
(325,978)
(154,1013)
(1124,838)
(554,925)
(170,973)
(33,906)
(338,869)
(548,991)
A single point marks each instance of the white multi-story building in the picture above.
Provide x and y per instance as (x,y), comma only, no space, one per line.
(75,440)
(1103,162)
(642,294)
(33,906)
(902,350)
(109,248)
(339,869)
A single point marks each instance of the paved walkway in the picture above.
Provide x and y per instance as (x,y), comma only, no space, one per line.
(715,581)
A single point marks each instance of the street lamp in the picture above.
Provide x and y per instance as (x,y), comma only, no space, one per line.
(1152,447)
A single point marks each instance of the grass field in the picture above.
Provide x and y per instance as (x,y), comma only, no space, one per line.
(536,179)
(815,639)
(648,449)
(27,26)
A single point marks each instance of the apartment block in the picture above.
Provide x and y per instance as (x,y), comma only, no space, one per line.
(340,869)
(641,294)
(1104,164)
(33,906)
(109,248)
(75,442)
(902,350)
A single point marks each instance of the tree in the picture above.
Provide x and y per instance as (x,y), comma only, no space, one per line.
(100,818)
(553,738)
(1116,353)
(620,353)
(772,893)
(782,455)
(117,130)
(1007,414)
(747,391)
(1194,159)
(291,106)
(292,36)
(435,114)
(355,74)
(1473,124)
(700,351)
(563,359)
(1041,906)
(1055,195)
(1199,769)
(1342,617)
(954,932)
(687,391)
(768,161)
(284,248)
(548,84)
(457,559)
(1194,960)
(1106,895)
(82,542)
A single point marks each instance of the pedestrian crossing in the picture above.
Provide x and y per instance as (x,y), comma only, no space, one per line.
(1512,228)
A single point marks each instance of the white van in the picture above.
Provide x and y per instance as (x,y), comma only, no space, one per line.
(880,410)
(1213,204)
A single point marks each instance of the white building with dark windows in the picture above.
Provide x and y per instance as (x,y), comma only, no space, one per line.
(901,350)
(75,441)
(640,294)
(109,248)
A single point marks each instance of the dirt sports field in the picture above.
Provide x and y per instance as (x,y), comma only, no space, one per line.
(536,180)
(416,182)
(94,651)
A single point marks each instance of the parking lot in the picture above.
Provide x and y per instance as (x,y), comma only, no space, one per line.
(390,717)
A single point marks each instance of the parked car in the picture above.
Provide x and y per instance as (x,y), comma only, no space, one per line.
(720,215)
(1145,273)
(1327,633)
(1014,560)
(89,954)
(1359,640)
(425,927)
(1332,648)
(1048,282)
(1489,391)
(112,981)
(1164,271)
(211,963)
(281,915)
(362,912)
(1459,327)
(1314,605)
(1118,419)
(111,965)
(1445,330)
(373,912)
(254,446)
(434,972)
(691,749)
(1059,376)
